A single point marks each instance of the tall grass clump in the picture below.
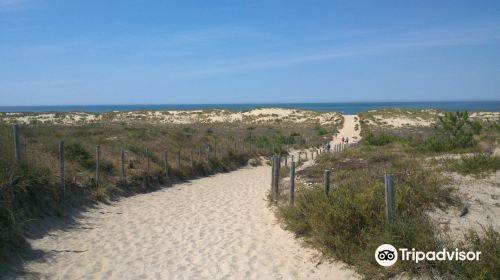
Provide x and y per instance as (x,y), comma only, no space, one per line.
(24,195)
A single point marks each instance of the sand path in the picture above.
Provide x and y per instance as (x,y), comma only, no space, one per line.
(218,227)
(348,130)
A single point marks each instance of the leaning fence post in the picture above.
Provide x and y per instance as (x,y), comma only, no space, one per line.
(390,198)
(61,161)
(276,176)
(326,182)
(17,146)
(291,193)
(97,156)
(123,163)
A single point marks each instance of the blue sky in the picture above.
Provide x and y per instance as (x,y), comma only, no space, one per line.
(126,52)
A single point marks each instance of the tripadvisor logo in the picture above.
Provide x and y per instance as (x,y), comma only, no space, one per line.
(387,255)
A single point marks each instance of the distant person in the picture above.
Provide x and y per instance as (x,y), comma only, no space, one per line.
(327,146)
(343,139)
(347,139)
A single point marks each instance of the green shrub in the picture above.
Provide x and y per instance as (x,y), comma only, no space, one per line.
(322,131)
(452,131)
(377,139)
(78,154)
(475,164)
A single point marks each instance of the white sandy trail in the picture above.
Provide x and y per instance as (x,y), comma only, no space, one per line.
(348,130)
(218,227)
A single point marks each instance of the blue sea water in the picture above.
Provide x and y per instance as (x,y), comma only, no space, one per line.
(346,108)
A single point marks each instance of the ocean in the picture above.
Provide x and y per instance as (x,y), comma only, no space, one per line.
(345,108)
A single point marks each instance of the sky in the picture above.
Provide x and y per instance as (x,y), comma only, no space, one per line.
(59,52)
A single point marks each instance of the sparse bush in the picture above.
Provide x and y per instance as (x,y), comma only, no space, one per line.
(255,162)
(475,164)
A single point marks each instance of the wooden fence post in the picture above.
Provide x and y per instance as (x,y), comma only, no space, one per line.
(147,159)
(61,161)
(165,163)
(276,176)
(299,158)
(390,198)
(123,163)
(97,158)
(312,155)
(286,160)
(272,173)
(179,159)
(326,182)
(17,145)
(291,193)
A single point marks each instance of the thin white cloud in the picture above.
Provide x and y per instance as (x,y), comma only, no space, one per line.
(10,5)
(421,41)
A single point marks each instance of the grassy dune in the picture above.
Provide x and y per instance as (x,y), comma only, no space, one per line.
(349,223)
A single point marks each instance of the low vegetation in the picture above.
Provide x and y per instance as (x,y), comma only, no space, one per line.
(475,164)
(350,223)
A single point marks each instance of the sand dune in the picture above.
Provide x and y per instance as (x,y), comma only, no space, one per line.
(254,116)
(218,227)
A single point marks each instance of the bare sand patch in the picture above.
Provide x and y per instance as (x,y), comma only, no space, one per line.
(218,227)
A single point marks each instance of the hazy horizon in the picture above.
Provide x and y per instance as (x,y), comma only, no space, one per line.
(262,103)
